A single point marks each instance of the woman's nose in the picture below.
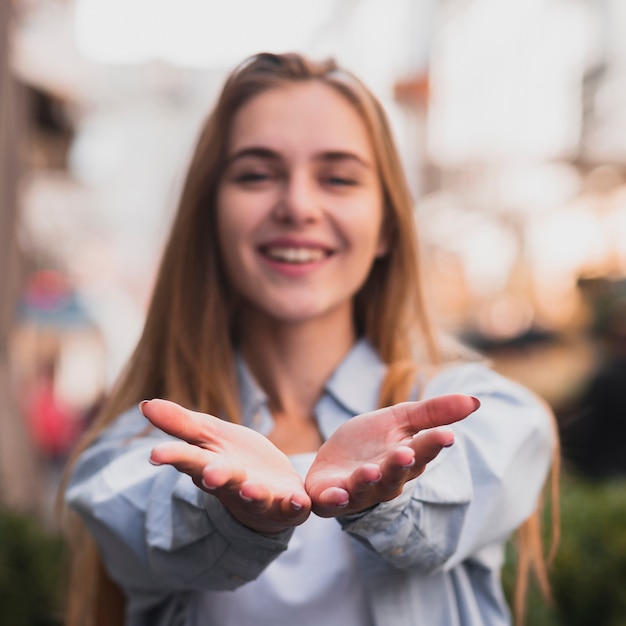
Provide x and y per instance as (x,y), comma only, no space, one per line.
(298,201)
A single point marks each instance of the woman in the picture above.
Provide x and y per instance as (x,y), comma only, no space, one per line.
(286,315)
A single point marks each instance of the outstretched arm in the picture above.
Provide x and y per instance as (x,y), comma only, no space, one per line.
(474,494)
(365,462)
(250,476)
(370,457)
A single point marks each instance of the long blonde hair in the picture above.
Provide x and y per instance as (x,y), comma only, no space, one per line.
(182,340)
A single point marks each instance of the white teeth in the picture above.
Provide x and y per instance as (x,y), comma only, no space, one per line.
(295,255)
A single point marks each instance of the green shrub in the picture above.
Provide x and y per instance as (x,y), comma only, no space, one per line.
(32,572)
(588,576)
(590,568)
(589,572)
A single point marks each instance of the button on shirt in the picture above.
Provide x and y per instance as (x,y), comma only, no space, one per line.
(430,557)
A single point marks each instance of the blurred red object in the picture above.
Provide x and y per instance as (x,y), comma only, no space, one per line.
(52,424)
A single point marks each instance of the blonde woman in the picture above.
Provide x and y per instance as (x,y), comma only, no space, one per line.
(288,444)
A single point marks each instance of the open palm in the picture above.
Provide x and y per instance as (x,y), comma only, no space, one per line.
(252,478)
(370,457)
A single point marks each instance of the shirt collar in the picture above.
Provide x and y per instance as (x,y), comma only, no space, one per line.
(355,384)
(251,397)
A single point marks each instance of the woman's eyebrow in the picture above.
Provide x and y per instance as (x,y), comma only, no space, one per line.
(258,152)
(327,156)
(341,155)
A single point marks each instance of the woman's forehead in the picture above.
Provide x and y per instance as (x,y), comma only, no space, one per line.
(311,115)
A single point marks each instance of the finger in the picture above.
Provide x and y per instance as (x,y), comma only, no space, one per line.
(395,470)
(260,499)
(255,492)
(183,456)
(177,421)
(434,412)
(219,474)
(297,502)
(255,502)
(331,501)
(408,462)
(400,459)
(363,479)
(429,443)
(208,471)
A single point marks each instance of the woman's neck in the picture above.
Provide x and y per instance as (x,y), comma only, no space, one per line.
(293,361)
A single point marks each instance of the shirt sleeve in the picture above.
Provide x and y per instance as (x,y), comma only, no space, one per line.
(475,493)
(157,532)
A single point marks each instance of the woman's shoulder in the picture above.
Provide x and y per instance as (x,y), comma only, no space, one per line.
(464,374)
(507,405)
(480,379)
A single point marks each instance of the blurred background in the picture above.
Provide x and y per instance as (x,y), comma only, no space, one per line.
(510,116)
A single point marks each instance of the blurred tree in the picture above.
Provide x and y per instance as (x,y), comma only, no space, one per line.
(33,563)
(18,465)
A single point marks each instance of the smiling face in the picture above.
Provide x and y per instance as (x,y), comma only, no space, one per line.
(300,206)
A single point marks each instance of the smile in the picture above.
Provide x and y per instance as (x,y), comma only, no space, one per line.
(297,255)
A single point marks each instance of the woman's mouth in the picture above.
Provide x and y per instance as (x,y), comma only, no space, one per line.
(295,254)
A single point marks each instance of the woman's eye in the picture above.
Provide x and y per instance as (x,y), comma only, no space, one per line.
(341,181)
(252,177)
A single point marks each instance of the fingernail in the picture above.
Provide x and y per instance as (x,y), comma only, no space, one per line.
(142,404)
(409,465)
(375,480)
(296,506)
(449,444)
(342,505)
(476,402)
(208,487)
(155,463)
(245,498)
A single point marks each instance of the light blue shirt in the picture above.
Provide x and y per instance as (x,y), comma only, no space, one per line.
(430,557)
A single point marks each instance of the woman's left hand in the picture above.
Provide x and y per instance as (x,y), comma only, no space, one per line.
(370,457)
(243,469)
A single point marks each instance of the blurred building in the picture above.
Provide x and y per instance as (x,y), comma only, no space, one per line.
(510,117)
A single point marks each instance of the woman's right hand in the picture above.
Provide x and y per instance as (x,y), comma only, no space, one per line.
(250,476)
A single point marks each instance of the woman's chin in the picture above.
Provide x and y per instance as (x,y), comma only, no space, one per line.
(294,311)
